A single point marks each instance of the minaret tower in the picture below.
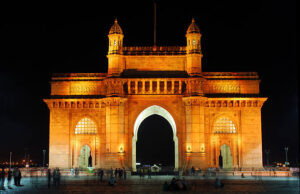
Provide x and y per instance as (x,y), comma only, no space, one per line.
(193,49)
(115,58)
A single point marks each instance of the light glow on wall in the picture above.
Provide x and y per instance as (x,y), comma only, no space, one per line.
(121,149)
(189,148)
(202,147)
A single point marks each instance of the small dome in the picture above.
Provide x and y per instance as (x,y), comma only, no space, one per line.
(115,29)
(193,28)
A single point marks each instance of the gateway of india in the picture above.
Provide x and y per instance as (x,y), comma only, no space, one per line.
(95,117)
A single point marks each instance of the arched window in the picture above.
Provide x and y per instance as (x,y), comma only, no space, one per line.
(86,126)
(224,125)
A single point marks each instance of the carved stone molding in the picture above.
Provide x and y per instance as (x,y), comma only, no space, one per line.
(224,102)
(115,101)
(188,101)
(73,104)
(114,87)
(194,87)
(243,103)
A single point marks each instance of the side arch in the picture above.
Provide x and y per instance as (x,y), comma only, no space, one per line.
(152,110)
(84,131)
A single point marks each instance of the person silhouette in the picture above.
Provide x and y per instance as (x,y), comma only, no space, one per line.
(220,160)
(90,160)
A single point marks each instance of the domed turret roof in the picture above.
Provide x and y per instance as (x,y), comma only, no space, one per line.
(115,29)
(193,28)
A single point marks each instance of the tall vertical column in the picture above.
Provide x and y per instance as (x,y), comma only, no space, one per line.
(250,130)
(195,135)
(115,132)
(75,154)
(59,140)
(188,125)
(107,125)
(203,141)
(121,133)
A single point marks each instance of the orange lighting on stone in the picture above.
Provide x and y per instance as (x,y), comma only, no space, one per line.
(193,105)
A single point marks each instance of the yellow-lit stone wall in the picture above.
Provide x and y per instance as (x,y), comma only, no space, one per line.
(251,140)
(193,112)
(157,63)
(59,138)
(163,80)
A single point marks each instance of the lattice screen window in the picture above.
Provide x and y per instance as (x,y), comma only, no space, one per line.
(86,126)
(224,125)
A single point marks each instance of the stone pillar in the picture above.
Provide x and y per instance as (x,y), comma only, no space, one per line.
(150,87)
(59,141)
(250,130)
(136,86)
(115,132)
(129,87)
(172,90)
(180,85)
(143,86)
(195,135)
(188,118)
(76,155)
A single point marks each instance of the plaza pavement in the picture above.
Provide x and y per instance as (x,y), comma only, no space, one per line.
(196,184)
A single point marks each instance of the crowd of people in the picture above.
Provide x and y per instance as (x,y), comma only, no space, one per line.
(9,174)
(144,171)
(114,174)
(54,177)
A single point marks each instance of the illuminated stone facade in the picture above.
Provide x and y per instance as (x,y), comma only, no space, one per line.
(208,111)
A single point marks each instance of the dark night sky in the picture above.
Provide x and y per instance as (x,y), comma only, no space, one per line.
(36,40)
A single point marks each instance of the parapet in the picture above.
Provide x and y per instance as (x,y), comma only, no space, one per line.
(154,50)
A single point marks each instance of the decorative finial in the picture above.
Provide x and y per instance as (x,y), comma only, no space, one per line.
(193,28)
(115,28)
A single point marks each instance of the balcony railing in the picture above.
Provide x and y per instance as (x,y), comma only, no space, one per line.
(154,86)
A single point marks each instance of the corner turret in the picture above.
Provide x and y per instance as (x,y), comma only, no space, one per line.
(115,48)
(194,53)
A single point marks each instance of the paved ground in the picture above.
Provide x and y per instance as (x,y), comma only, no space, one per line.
(90,184)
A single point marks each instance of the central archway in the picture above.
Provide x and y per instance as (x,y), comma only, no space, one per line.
(152,110)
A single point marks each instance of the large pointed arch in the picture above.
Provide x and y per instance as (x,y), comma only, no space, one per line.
(152,110)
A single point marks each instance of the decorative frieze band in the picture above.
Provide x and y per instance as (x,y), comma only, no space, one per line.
(83,103)
(221,102)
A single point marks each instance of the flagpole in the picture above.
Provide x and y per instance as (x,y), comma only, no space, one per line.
(154,33)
